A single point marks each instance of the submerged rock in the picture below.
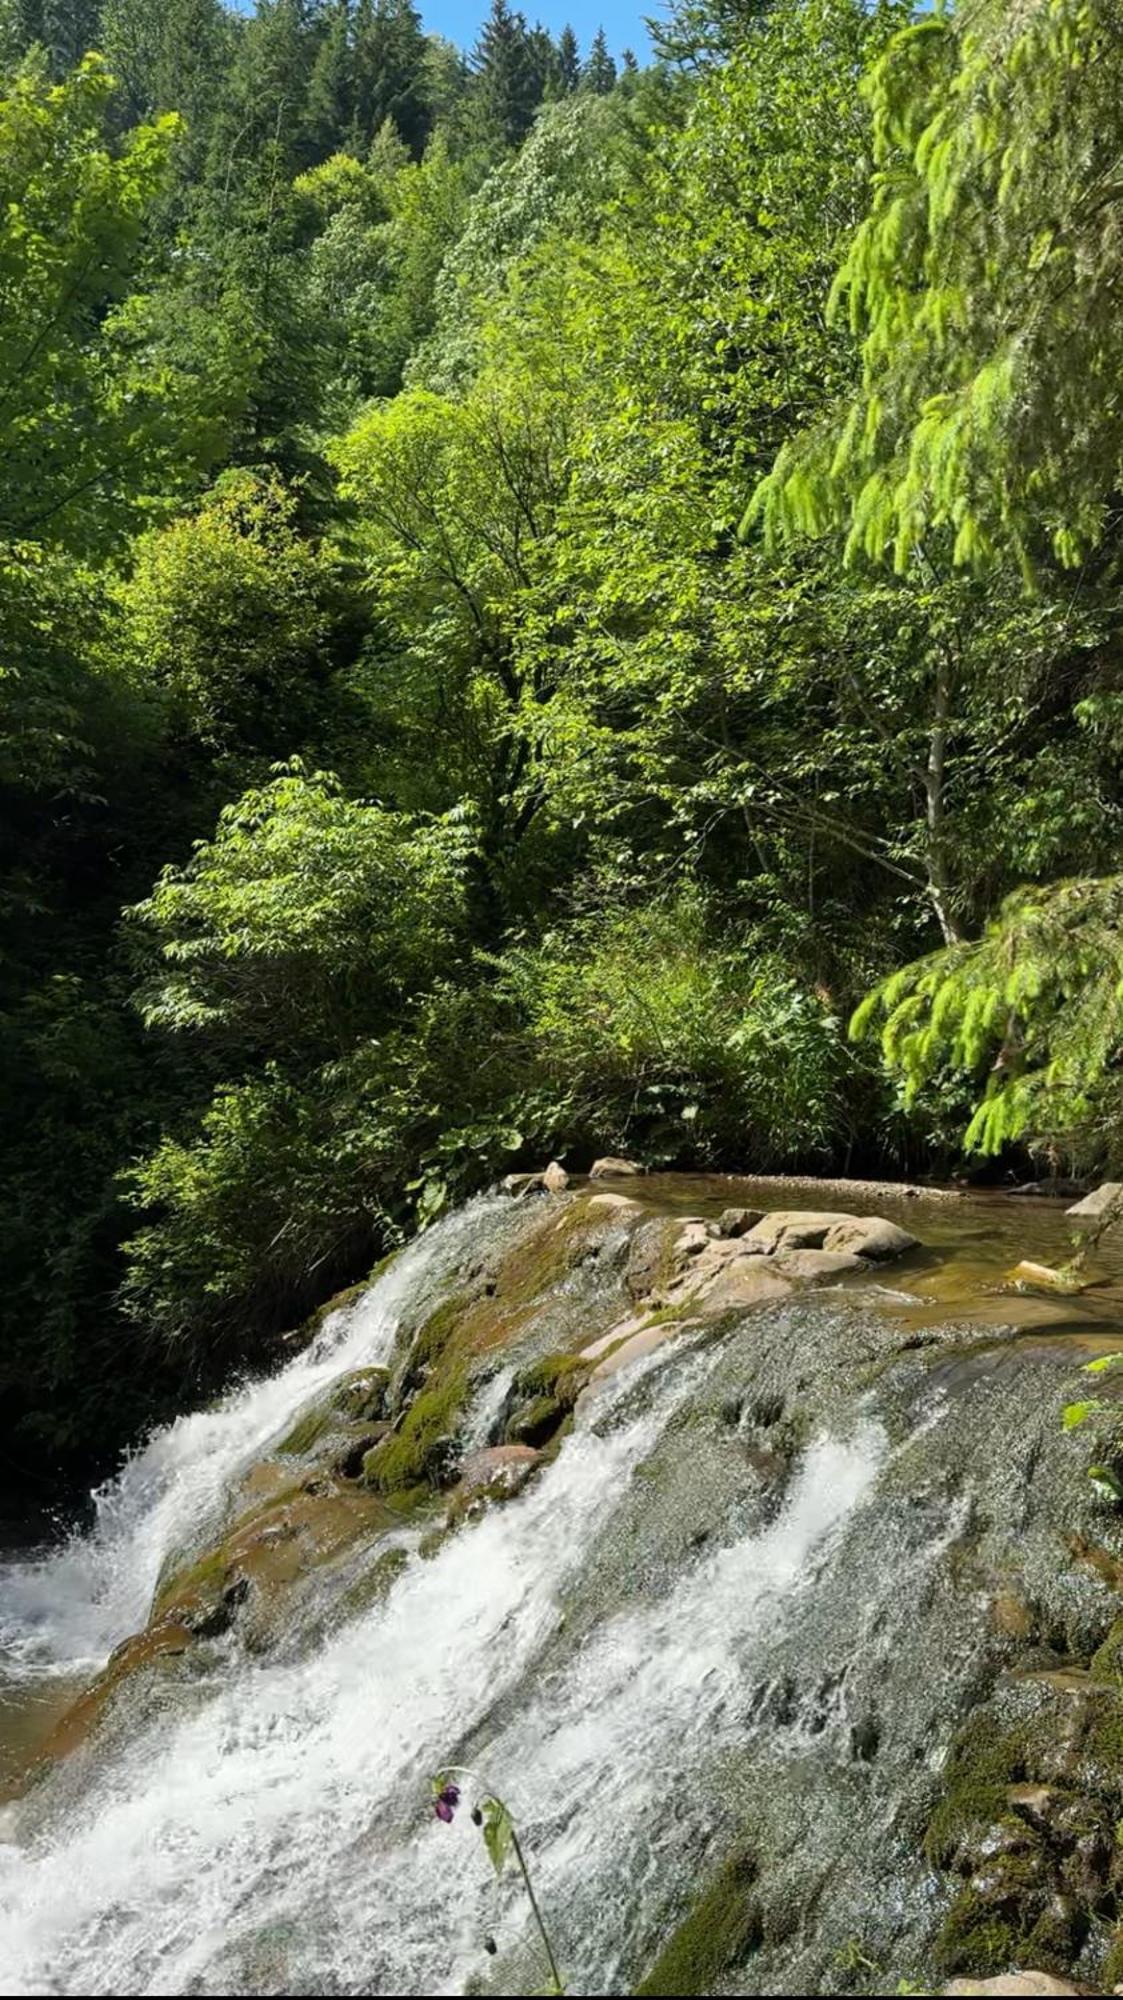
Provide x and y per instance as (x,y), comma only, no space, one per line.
(1046,1277)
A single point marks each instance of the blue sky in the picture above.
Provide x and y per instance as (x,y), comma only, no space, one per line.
(623,22)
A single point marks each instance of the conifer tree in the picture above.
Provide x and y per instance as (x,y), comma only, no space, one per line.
(983,287)
(507,90)
(65,29)
(391,73)
(599,73)
(569,61)
(330,105)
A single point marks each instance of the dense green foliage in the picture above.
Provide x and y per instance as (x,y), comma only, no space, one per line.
(528,587)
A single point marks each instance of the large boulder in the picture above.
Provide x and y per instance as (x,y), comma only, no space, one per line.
(793,1229)
(869,1236)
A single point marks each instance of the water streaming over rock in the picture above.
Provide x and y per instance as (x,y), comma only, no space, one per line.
(746,1606)
(72,1607)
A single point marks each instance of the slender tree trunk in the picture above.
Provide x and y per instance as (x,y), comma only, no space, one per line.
(939,885)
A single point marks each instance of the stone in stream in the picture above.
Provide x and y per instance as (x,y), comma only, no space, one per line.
(1099,1203)
(555,1179)
(1028,1983)
(738,1221)
(869,1236)
(610,1169)
(1044,1278)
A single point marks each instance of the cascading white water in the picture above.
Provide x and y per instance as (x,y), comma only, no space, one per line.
(70,1608)
(277,1838)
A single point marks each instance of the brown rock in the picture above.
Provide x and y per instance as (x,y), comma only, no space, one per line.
(555,1179)
(645,1340)
(507,1464)
(794,1229)
(815,1264)
(692,1239)
(648,1254)
(869,1236)
(1028,1983)
(613,1204)
(614,1169)
(738,1221)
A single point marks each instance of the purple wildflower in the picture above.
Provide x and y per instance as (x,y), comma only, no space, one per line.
(446,1803)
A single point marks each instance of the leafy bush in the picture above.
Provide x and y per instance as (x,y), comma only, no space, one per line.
(644,1031)
(1029,1017)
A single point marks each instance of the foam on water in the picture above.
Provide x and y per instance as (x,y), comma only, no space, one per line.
(277,1838)
(69,1608)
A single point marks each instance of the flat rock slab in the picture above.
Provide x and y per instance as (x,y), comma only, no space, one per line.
(610,1169)
(646,1340)
(1099,1203)
(812,1265)
(613,1204)
(1028,1983)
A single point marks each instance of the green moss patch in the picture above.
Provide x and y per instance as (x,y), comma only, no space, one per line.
(721,1932)
(416,1454)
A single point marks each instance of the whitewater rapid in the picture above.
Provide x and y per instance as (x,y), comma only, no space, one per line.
(273,1831)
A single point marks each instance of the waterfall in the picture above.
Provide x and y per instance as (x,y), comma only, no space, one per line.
(71,1607)
(750,1599)
(284,1824)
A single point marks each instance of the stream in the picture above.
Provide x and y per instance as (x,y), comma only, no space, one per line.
(735,1620)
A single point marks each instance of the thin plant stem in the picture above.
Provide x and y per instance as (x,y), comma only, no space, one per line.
(542,1931)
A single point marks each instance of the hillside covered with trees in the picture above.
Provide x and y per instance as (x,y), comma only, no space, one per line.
(531,589)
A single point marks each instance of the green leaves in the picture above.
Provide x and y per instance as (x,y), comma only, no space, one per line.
(498,1832)
(1030,1016)
(980,284)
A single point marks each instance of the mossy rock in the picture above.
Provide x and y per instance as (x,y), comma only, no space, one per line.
(561,1376)
(375,1583)
(1107,1661)
(433,1336)
(983,1765)
(310,1428)
(418,1453)
(721,1932)
(535,1422)
(359,1398)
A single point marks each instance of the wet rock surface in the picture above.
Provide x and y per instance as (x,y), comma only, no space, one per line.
(828,1699)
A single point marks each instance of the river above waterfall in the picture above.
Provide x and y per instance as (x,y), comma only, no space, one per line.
(723,1644)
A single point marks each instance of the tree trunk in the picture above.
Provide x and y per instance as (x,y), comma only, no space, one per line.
(939,885)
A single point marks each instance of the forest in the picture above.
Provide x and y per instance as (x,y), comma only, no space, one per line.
(547,605)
